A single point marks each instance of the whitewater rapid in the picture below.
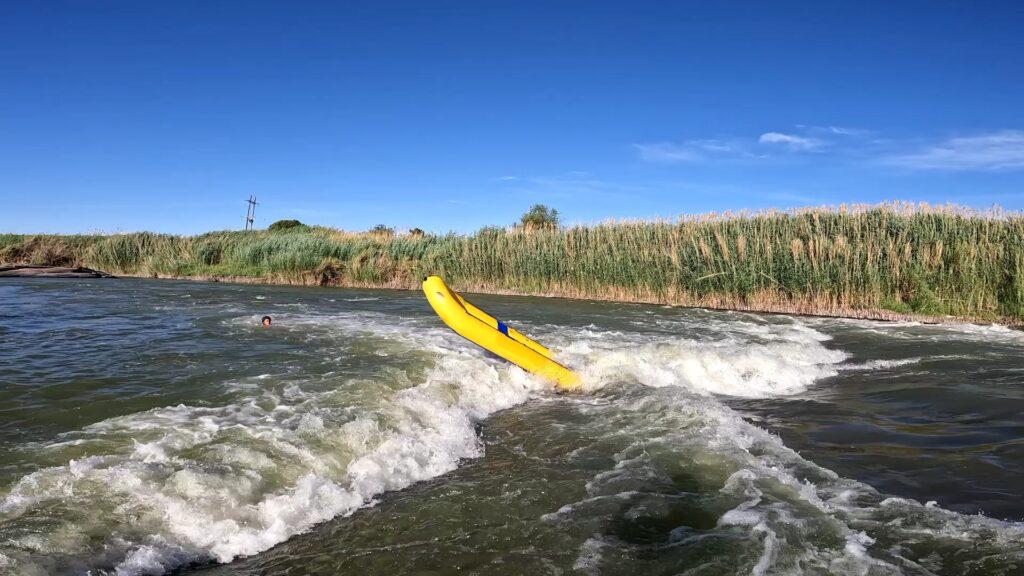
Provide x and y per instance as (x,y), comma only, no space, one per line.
(148,492)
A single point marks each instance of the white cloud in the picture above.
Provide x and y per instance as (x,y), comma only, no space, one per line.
(847,131)
(732,149)
(791,141)
(571,185)
(668,153)
(992,151)
(692,151)
(995,151)
(833,130)
(714,146)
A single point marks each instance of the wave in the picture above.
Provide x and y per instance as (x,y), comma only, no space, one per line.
(918,331)
(764,361)
(184,484)
(156,490)
(690,457)
(881,364)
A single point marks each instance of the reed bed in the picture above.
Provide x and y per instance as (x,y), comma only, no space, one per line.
(847,261)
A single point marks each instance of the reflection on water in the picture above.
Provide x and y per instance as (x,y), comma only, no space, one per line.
(148,426)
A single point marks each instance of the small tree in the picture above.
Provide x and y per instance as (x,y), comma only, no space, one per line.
(382,230)
(539,216)
(285,225)
(416,232)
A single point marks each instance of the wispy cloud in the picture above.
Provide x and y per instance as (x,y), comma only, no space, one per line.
(667,153)
(693,151)
(571,185)
(791,141)
(995,151)
(833,130)
(1001,150)
(847,131)
(748,148)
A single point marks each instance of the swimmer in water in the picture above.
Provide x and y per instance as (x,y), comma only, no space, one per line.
(266,321)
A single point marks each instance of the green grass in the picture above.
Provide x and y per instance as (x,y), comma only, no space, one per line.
(933,261)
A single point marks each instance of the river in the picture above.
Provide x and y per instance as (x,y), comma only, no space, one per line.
(149,427)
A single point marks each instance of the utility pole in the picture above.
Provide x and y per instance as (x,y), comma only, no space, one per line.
(250,212)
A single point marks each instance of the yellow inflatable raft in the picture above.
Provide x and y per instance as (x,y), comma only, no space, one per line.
(495,336)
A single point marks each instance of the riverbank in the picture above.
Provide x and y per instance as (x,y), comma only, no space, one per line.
(45,271)
(883,262)
(799,308)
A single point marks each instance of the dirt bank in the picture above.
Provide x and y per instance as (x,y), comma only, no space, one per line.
(38,271)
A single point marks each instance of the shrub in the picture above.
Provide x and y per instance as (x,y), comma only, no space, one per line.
(382,230)
(539,216)
(490,231)
(285,225)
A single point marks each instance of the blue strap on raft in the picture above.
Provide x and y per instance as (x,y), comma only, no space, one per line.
(503,328)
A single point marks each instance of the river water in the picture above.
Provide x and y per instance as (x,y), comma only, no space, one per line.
(152,426)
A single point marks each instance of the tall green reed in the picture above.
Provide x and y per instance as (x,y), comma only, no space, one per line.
(903,258)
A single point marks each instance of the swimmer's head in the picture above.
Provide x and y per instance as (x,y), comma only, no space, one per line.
(266,321)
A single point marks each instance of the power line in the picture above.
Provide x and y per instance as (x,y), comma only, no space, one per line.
(250,212)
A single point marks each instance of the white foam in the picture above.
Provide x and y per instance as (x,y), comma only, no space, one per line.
(770,542)
(944,332)
(881,364)
(192,483)
(779,362)
(589,559)
(797,516)
(223,482)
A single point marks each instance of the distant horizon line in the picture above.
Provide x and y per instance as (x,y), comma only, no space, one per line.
(901,207)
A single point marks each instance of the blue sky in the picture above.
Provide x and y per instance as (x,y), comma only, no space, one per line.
(123,116)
